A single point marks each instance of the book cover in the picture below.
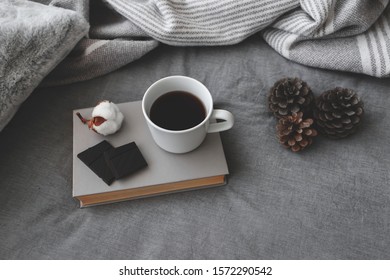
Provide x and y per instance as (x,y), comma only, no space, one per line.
(166,172)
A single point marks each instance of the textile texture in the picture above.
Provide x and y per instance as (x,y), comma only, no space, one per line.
(34,38)
(340,35)
(332,201)
(344,35)
(112,42)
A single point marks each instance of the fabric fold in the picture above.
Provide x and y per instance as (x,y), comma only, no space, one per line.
(112,42)
(337,35)
(351,36)
(34,39)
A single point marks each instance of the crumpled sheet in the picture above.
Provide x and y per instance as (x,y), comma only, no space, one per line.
(339,35)
(332,201)
(34,38)
(350,35)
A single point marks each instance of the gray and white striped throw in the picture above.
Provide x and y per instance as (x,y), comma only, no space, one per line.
(348,35)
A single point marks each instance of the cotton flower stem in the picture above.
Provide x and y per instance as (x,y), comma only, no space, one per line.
(84,121)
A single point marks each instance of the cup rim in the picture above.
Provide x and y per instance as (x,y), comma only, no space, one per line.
(169,130)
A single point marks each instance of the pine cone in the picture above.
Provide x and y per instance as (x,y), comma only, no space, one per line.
(338,112)
(290,95)
(295,133)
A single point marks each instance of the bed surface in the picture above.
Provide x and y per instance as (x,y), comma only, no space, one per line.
(332,201)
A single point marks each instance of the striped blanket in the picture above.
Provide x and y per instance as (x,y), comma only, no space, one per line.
(348,35)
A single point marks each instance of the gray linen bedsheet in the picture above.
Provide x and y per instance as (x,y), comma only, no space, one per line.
(331,201)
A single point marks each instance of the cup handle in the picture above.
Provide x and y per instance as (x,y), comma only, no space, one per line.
(221,126)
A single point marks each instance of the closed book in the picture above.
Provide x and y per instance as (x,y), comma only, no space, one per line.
(165,172)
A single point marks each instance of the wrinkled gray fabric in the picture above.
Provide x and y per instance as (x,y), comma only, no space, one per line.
(339,35)
(350,35)
(331,201)
(112,42)
(34,38)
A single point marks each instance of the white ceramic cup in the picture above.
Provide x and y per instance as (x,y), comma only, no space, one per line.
(183,141)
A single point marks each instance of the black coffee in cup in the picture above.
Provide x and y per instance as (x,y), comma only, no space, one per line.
(177,110)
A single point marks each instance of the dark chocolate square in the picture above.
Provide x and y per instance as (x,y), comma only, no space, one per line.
(125,160)
(94,158)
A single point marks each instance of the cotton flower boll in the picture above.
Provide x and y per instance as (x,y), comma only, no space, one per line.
(110,112)
(106,118)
